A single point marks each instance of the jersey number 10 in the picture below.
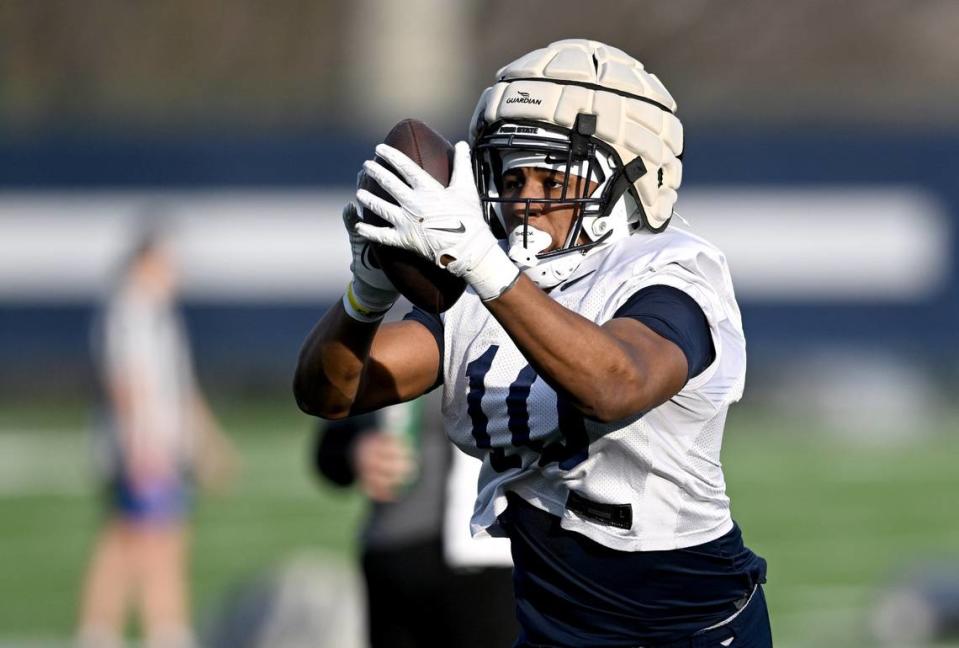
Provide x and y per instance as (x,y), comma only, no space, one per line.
(571,424)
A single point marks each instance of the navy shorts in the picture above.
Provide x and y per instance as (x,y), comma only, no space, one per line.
(162,501)
(749,628)
(571,591)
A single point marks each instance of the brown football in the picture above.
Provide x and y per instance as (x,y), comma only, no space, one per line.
(420,280)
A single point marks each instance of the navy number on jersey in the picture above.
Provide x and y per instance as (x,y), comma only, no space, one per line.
(571,424)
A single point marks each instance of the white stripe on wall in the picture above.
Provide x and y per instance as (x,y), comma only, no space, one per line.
(844,244)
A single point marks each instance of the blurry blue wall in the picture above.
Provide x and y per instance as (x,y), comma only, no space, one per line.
(247,346)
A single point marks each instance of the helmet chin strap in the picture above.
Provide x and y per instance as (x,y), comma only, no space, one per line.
(545,273)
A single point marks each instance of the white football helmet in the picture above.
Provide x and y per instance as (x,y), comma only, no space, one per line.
(585,109)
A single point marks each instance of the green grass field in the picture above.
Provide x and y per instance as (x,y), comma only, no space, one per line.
(834,519)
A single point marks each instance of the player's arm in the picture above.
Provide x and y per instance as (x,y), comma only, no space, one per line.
(347,366)
(352,363)
(610,372)
(217,461)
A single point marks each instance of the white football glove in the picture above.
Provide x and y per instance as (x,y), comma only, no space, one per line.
(370,294)
(442,224)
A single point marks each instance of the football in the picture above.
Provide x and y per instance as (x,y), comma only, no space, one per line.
(419,280)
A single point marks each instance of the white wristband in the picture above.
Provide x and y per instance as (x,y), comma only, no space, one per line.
(493,275)
(358,310)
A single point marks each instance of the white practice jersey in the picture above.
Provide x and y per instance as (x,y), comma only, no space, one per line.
(143,345)
(664,464)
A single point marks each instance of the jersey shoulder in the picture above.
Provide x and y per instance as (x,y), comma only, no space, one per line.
(670,246)
(644,256)
(674,257)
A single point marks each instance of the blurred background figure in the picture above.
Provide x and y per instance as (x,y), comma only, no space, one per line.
(919,607)
(157,438)
(428,583)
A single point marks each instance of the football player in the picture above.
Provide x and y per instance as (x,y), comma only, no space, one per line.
(590,363)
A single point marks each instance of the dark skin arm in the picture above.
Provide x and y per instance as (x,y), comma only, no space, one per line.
(610,372)
(348,367)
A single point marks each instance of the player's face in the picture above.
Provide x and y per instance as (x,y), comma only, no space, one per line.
(554,218)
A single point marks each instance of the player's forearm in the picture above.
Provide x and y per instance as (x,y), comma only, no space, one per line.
(603,378)
(331,364)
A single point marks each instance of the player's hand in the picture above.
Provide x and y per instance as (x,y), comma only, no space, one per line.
(383,465)
(371,293)
(443,224)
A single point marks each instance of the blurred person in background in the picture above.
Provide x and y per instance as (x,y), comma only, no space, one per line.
(157,436)
(425,576)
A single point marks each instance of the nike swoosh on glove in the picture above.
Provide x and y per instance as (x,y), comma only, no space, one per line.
(442,224)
